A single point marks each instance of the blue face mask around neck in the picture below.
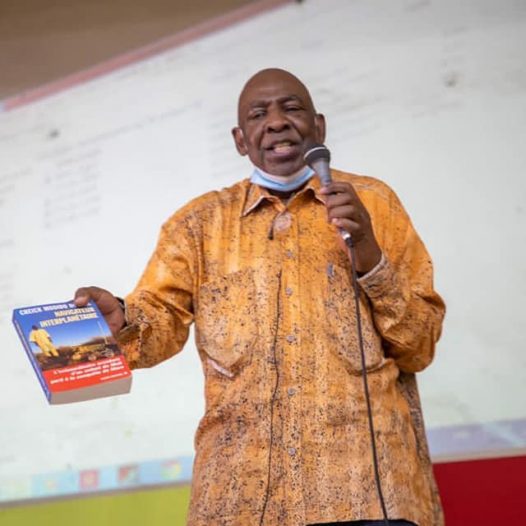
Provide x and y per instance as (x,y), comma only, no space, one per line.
(260,178)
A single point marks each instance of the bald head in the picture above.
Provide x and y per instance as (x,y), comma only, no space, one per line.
(266,79)
(276,120)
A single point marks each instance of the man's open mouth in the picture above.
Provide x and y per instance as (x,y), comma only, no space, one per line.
(282,147)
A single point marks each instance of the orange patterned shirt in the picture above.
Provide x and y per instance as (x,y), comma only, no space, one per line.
(284,439)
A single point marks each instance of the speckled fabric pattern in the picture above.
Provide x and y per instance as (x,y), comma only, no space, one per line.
(284,438)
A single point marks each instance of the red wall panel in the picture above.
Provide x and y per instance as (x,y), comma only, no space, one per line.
(483,492)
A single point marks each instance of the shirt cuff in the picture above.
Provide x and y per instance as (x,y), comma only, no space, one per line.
(379,279)
(124,308)
(374,270)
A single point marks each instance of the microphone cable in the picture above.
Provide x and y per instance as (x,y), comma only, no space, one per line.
(318,157)
(354,278)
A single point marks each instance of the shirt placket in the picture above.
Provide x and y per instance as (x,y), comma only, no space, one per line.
(289,388)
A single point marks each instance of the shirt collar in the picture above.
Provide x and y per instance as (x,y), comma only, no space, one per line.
(257,194)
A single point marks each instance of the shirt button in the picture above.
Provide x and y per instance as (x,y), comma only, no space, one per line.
(282,222)
(292,451)
(288,291)
(291,338)
(291,391)
(289,254)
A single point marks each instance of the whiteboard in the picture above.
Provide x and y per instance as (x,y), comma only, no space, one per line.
(429,96)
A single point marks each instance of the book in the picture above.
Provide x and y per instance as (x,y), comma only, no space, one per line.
(72,351)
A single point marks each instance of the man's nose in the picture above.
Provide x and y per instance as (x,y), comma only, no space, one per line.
(276,121)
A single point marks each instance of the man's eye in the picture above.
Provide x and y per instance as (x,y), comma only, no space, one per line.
(257,114)
(292,108)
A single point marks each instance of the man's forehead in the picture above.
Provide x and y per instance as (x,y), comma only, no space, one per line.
(273,84)
(266,98)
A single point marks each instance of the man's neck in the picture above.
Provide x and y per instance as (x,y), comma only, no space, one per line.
(283,179)
(282,186)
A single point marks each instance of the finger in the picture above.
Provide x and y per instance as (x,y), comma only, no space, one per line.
(81,297)
(346,224)
(335,190)
(334,200)
(337,187)
(344,212)
(85,294)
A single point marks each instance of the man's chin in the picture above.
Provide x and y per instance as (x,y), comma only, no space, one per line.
(283,169)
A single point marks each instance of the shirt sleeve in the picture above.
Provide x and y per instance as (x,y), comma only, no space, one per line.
(160,309)
(407,311)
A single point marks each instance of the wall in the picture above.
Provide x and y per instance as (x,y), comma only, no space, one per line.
(158,507)
(485,492)
(429,96)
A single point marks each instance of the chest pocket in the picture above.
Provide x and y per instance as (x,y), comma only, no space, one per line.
(226,321)
(340,308)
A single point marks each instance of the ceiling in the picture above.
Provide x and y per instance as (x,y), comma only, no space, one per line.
(44,40)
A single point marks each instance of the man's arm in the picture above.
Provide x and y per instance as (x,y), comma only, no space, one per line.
(155,324)
(407,312)
(397,270)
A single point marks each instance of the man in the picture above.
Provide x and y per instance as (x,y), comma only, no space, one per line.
(260,269)
(43,340)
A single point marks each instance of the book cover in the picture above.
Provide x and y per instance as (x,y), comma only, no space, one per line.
(72,351)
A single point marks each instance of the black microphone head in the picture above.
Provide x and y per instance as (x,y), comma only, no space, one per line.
(318,157)
(315,152)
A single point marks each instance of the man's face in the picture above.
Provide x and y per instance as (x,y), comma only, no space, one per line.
(276,119)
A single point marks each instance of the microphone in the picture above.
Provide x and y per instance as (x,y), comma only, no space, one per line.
(318,157)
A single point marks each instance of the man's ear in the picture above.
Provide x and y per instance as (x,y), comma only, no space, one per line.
(319,124)
(239,139)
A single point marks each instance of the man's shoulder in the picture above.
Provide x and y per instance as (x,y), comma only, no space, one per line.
(365,184)
(212,202)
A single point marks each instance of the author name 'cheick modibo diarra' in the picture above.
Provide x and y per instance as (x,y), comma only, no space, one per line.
(261,270)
